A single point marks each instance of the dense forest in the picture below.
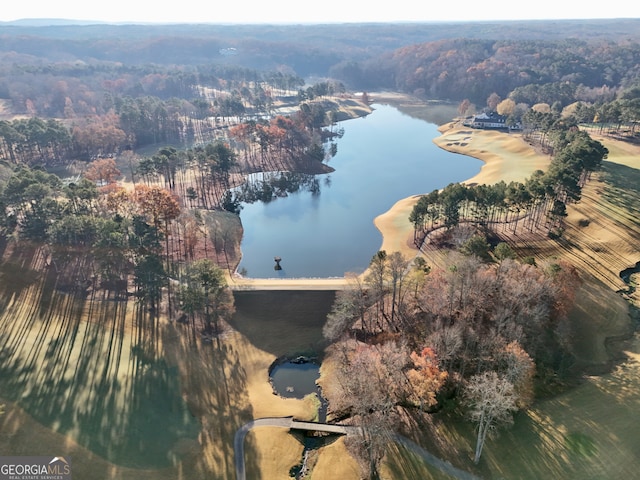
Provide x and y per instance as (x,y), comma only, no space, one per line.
(305,49)
(535,71)
(139,85)
(157,128)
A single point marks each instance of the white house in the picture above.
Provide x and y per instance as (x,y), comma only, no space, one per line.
(488,120)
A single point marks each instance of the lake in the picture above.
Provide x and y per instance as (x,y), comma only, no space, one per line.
(381,159)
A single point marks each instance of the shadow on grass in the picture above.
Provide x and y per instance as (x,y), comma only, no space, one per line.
(588,433)
(402,463)
(622,186)
(137,392)
(294,320)
(214,385)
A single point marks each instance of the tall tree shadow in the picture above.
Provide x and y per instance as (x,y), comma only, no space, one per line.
(214,384)
(73,364)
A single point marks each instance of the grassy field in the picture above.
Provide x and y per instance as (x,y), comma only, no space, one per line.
(127,396)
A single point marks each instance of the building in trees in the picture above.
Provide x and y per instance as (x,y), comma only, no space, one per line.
(489,120)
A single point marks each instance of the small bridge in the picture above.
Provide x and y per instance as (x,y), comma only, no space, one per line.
(324,427)
(284,422)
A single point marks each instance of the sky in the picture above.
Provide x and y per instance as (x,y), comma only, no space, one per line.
(323,11)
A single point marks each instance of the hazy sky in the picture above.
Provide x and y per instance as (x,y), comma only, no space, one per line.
(323,11)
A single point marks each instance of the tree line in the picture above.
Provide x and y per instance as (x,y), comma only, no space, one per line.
(478,336)
(537,203)
(535,70)
(617,114)
(133,122)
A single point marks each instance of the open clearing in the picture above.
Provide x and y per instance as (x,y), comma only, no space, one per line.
(126,397)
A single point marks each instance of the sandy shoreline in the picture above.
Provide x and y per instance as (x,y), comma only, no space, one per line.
(505,157)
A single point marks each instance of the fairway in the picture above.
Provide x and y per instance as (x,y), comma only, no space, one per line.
(132,396)
(588,433)
(127,395)
(81,369)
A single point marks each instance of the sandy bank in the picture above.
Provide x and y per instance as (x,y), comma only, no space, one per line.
(505,156)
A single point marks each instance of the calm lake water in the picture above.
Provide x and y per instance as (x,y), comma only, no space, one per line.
(381,159)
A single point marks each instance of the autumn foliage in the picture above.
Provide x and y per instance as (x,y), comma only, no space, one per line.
(103,171)
(160,205)
(409,337)
(425,377)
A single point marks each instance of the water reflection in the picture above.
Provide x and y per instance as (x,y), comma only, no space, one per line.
(323,227)
(265,187)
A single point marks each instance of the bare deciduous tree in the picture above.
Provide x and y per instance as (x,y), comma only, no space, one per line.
(491,401)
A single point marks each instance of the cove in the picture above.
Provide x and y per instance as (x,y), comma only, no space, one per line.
(381,159)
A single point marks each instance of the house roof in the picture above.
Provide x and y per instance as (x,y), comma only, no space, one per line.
(490,117)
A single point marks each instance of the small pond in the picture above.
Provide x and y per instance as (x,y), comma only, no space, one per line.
(296,379)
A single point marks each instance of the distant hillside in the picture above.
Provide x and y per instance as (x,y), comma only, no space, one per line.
(537,71)
(66,70)
(307,49)
(48,22)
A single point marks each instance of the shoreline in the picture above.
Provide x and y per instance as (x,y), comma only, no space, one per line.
(506,157)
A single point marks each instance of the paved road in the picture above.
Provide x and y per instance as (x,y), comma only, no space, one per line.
(290,423)
(284,422)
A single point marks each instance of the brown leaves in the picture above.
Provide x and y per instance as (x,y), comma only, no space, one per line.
(519,369)
(425,378)
(103,171)
(157,203)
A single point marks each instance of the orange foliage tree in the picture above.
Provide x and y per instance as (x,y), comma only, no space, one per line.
(425,378)
(158,204)
(103,171)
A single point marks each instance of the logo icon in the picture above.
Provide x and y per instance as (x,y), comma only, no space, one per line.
(35,468)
